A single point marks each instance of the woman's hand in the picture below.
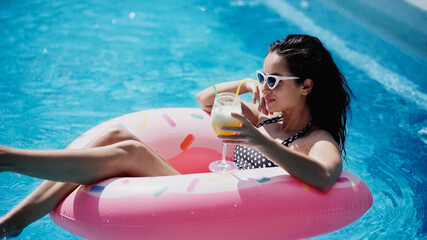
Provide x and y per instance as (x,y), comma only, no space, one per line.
(246,134)
(252,87)
(256,96)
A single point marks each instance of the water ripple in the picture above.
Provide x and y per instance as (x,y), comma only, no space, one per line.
(392,81)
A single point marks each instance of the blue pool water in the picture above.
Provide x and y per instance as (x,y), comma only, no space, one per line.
(66,66)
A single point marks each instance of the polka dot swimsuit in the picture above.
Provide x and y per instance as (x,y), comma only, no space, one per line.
(247,158)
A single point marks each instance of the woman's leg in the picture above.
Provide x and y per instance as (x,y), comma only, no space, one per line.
(49,194)
(37,204)
(83,166)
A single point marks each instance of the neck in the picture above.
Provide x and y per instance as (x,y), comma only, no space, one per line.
(297,119)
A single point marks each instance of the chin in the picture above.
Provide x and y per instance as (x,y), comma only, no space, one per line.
(270,108)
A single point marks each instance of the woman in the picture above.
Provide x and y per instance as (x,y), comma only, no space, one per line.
(300,86)
(309,99)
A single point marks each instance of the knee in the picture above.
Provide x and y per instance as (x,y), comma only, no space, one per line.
(132,149)
(140,160)
(117,134)
(115,131)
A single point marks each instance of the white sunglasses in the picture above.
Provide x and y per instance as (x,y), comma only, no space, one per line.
(271,80)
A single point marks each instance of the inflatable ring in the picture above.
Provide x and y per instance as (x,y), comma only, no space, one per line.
(264,203)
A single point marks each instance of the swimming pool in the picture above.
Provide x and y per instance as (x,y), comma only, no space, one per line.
(67,66)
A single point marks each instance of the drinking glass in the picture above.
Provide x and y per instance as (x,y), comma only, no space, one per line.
(224,105)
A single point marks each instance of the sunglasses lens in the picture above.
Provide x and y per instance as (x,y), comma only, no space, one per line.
(260,78)
(271,81)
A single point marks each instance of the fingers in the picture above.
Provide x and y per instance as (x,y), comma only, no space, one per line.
(262,106)
(232,139)
(242,118)
(238,115)
(240,131)
(237,130)
(242,135)
(255,95)
(233,142)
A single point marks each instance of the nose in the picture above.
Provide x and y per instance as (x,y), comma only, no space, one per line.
(264,88)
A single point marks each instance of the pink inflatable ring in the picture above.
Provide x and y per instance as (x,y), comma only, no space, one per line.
(265,203)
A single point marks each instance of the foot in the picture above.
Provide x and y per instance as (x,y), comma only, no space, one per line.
(8,230)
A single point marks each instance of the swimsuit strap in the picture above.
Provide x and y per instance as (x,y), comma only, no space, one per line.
(288,141)
(301,133)
(271,120)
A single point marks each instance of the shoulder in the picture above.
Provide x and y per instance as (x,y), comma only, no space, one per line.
(323,147)
(322,138)
(321,135)
(317,140)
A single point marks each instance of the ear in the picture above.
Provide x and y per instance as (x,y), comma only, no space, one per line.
(307,86)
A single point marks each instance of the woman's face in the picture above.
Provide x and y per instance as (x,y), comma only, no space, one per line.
(287,95)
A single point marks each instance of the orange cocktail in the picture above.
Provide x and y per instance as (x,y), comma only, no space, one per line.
(224,105)
(221,118)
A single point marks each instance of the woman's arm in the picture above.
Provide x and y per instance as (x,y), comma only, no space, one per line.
(252,110)
(320,167)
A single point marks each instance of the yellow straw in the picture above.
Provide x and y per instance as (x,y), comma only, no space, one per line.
(238,87)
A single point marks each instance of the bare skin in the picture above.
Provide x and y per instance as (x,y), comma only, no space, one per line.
(314,158)
(115,152)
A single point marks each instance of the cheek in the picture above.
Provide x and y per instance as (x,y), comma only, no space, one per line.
(288,97)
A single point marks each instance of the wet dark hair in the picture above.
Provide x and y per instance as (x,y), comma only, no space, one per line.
(329,100)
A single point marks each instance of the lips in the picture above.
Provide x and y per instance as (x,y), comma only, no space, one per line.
(269,100)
